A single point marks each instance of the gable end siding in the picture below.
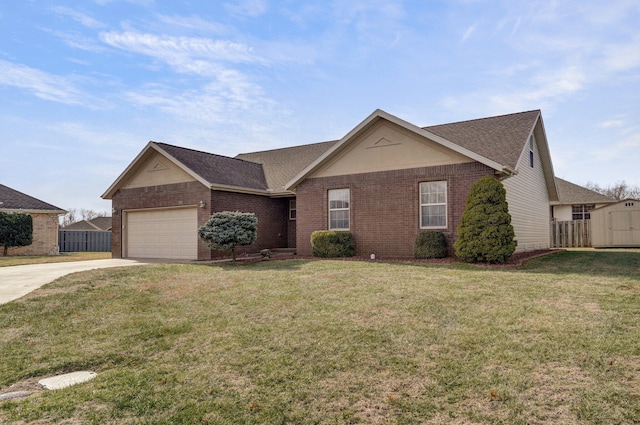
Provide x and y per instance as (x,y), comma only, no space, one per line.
(528,201)
(385,207)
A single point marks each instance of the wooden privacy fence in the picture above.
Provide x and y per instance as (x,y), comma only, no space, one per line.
(570,234)
(84,241)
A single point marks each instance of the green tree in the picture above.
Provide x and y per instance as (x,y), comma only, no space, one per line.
(228,229)
(485,233)
(15,230)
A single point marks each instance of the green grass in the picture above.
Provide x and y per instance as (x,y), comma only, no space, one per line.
(19,260)
(332,342)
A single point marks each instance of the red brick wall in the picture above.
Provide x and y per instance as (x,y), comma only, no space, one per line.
(272,214)
(385,206)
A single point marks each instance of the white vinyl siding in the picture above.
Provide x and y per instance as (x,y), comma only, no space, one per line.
(433,205)
(339,207)
(528,201)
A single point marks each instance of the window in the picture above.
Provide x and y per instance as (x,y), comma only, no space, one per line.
(433,205)
(531,151)
(339,209)
(293,212)
(581,212)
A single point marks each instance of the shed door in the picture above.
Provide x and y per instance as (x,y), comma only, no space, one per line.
(625,228)
(170,233)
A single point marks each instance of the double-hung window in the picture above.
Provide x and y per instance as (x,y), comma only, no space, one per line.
(339,209)
(433,205)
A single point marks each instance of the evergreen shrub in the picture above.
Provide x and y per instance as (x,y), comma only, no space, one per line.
(15,230)
(228,229)
(485,233)
(430,244)
(332,244)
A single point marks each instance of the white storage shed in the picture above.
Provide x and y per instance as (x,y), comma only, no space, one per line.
(616,225)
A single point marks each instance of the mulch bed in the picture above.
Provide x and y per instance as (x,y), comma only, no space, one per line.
(516,259)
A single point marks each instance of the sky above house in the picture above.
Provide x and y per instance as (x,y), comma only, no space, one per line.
(85,85)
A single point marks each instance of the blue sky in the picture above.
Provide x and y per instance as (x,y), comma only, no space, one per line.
(84,85)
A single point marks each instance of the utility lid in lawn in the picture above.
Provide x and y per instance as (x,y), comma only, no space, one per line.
(66,380)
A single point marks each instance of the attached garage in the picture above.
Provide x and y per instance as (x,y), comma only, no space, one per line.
(616,225)
(161,233)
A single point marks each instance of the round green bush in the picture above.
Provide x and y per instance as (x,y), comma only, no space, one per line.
(430,244)
(332,244)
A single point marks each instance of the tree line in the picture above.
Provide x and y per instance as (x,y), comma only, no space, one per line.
(620,190)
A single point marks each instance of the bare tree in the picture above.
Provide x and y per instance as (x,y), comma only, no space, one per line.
(73,216)
(91,214)
(69,218)
(620,190)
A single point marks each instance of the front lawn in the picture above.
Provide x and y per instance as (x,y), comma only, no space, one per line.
(332,342)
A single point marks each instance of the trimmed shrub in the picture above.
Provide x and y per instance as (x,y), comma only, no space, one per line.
(485,234)
(228,229)
(332,244)
(430,244)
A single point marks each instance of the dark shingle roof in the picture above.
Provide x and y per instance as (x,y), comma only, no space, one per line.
(11,199)
(570,193)
(218,169)
(282,165)
(102,223)
(500,139)
(98,223)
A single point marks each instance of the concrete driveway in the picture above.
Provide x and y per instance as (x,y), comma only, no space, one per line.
(18,281)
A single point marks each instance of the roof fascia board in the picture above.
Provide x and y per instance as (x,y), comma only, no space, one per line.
(238,189)
(547,165)
(108,194)
(377,115)
(31,211)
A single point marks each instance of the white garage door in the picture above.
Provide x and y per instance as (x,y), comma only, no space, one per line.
(171,233)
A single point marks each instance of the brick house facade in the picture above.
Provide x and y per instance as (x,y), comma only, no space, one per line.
(383,162)
(44,217)
(384,206)
(273,229)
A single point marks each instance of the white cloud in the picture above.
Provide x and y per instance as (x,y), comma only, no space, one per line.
(622,56)
(81,18)
(184,54)
(193,23)
(545,88)
(611,123)
(624,149)
(41,84)
(468,33)
(252,8)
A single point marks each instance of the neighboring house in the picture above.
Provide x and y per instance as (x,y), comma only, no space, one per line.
(576,202)
(385,181)
(45,221)
(95,224)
